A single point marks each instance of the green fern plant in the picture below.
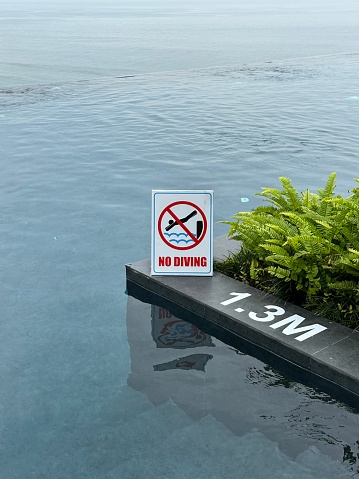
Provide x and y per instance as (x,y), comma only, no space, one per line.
(304,247)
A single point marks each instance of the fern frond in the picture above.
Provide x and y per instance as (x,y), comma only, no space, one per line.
(274,196)
(282,226)
(313,244)
(310,200)
(344,285)
(329,188)
(345,203)
(325,208)
(278,250)
(301,222)
(291,193)
(279,272)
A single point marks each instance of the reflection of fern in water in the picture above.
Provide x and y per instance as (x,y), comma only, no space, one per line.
(302,247)
(268,377)
(301,419)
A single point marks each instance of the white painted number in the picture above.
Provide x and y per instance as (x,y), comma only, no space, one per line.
(269,315)
(290,324)
(237,297)
(294,321)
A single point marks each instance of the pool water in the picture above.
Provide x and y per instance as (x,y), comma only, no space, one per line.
(242,417)
(80,397)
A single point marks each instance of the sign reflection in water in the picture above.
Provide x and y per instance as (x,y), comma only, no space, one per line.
(171,332)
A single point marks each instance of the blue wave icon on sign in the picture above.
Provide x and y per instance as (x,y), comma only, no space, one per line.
(178,235)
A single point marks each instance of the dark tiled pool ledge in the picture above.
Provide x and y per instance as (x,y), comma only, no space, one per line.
(327,350)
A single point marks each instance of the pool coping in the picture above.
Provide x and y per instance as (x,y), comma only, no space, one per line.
(330,351)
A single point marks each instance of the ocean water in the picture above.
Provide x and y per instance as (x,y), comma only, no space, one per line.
(100,104)
(46,41)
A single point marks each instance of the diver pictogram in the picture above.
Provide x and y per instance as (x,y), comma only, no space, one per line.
(182,225)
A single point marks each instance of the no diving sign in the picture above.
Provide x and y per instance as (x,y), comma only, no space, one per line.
(182,233)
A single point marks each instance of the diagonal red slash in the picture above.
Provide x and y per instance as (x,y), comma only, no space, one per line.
(182,225)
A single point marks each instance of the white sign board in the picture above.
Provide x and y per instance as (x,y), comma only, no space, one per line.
(182,233)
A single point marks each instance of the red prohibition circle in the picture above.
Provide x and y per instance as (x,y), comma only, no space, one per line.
(168,210)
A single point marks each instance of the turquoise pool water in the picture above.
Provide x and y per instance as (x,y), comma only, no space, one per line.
(78,164)
(222,96)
